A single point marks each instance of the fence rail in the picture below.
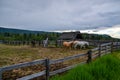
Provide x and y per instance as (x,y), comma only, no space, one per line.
(91,54)
(57,43)
(66,58)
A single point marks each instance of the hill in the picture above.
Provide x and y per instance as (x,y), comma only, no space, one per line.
(19,34)
(96,36)
(10,30)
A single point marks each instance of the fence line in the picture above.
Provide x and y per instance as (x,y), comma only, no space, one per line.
(91,54)
(57,43)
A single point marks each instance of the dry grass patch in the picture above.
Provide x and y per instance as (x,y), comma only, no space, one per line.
(18,54)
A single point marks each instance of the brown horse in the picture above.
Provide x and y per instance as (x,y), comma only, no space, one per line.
(68,44)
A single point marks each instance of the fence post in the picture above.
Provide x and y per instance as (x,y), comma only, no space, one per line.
(117,45)
(56,43)
(47,68)
(89,56)
(99,50)
(111,47)
(106,49)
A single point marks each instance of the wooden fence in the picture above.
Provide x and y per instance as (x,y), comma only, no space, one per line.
(91,42)
(91,54)
(57,43)
(32,43)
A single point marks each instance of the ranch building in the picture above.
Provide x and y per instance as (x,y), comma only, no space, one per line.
(70,36)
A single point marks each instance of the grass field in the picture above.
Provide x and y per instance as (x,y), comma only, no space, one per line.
(104,68)
(18,54)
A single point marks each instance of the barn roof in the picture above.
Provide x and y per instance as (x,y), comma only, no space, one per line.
(70,36)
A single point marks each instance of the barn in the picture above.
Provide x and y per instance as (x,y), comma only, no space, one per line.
(70,36)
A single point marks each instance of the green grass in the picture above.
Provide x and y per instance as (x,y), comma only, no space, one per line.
(104,68)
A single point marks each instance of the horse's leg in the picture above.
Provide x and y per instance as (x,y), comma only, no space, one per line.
(78,45)
(72,45)
(75,46)
(81,46)
(84,46)
(65,48)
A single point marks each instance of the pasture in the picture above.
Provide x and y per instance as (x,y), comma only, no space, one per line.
(10,55)
(18,54)
(104,68)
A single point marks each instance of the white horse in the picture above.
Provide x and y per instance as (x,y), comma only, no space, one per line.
(45,42)
(81,44)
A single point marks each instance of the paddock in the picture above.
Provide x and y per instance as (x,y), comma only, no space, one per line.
(10,72)
(10,54)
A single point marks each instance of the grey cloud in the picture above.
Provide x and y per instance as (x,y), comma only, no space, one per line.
(59,14)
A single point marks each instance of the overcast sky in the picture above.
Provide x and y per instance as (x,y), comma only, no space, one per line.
(54,15)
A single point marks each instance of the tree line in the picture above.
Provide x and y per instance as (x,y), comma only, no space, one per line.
(96,36)
(28,36)
(51,35)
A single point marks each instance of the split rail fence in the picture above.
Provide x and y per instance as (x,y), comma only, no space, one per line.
(101,50)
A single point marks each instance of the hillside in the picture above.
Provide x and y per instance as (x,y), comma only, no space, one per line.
(96,36)
(10,30)
(19,34)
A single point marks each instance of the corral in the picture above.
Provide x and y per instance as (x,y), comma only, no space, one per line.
(11,55)
(54,53)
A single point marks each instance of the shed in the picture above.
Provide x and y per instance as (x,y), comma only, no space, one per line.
(70,36)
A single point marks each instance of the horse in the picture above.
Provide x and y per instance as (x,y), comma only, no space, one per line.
(80,44)
(68,44)
(45,42)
